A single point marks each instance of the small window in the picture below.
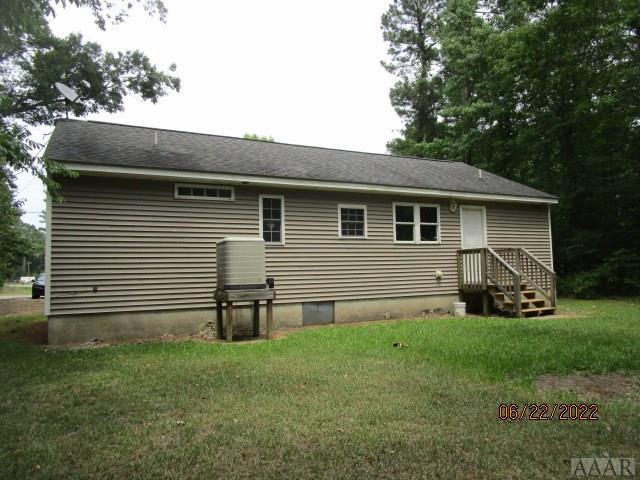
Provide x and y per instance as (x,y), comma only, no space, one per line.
(428,224)
(272,218)
(352,221)
(203,192)
(404,223)
(416,223)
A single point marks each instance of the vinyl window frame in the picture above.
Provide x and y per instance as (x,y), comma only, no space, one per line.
(417,223)
(282,217)
(177,196)
(352,237)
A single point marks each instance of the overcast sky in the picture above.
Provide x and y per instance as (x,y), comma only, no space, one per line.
(302,72)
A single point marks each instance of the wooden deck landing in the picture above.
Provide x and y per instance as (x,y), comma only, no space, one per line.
(515,280)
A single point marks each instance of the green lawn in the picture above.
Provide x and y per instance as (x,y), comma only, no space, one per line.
(333,402)
(14,289)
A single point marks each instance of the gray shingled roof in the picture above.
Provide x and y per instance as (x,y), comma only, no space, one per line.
(129,146)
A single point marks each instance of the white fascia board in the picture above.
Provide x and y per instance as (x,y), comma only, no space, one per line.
(255,180)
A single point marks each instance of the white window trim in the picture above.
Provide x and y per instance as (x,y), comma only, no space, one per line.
(416,223)
(47,257)
(282,237)
(203,185)
(351,237)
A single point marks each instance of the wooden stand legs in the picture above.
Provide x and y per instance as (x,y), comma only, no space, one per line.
(219,319)
(225,299)
(256,318)
(229,323)
(269,318)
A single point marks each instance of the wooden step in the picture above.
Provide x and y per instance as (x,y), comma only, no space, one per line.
(524,300)
(522,292)
(493,287)
(538,311)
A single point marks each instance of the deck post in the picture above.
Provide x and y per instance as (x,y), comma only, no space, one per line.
(485,290)
(517,295)
(229,321)
(483,268)
(256,318)
(485,303)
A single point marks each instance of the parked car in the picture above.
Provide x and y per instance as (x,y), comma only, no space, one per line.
(37,287)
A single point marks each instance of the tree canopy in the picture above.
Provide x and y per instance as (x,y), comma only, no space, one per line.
(255,136)
(410,28)
(546,93)
(32,59)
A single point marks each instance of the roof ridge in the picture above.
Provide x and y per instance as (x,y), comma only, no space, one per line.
(386,155)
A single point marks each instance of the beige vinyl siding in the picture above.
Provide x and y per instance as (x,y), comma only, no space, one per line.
(145,250)
(142,248)
(315,264)
(513,225)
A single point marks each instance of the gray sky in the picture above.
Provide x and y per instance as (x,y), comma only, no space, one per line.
(302,72)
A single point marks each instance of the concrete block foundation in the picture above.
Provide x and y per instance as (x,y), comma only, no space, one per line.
(126,326)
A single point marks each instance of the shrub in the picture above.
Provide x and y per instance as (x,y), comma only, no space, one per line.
(618,274)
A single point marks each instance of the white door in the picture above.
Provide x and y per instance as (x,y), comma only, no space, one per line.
(473,229)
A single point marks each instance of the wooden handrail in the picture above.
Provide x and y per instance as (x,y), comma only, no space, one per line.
(546,276)
(535,259)
(501,260)
(471,269)
(506,268)
(502,281)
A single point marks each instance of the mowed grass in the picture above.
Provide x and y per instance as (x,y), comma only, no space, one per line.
(14,289)
(331,402)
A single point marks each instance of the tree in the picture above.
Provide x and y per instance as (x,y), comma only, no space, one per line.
(32,59)
(255,136)
(410,27)
(29,256)
(9,225)
(548,93)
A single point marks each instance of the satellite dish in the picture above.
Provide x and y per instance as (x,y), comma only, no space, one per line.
(67,92)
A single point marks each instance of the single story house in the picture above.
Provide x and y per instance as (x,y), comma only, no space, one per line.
(349,236)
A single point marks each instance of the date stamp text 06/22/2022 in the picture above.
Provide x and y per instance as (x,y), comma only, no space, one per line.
(546,411)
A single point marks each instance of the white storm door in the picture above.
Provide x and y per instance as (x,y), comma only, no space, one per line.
(473,229)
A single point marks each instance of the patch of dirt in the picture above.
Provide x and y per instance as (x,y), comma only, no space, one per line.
(34,333)
(37,333)
(204,336)
(95,343)
(606,386)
